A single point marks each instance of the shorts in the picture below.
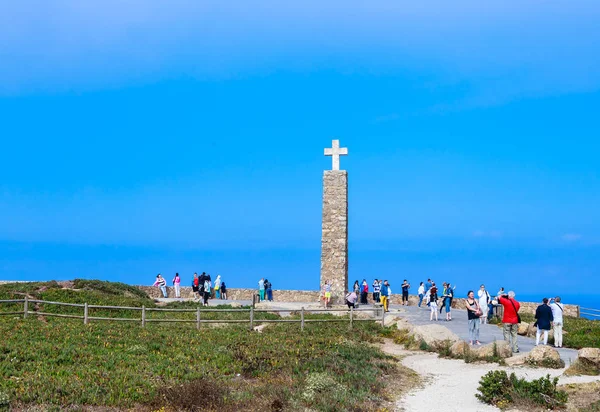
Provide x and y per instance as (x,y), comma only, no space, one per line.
(433,305)
(195,289)
(328,295)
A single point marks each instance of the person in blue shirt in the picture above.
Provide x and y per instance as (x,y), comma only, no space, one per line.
(384,295)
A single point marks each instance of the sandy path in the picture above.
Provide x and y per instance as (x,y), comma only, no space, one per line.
(450,385)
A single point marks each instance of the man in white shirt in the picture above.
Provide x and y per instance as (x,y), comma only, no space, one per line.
(557,314)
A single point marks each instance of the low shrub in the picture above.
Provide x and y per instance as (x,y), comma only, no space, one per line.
(110,288)
(499,389)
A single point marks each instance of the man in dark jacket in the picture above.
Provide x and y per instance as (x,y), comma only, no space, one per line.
(544,318)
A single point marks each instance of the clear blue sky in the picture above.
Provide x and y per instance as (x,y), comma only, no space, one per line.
(141,137)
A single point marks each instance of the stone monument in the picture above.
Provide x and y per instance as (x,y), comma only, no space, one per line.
(334,240)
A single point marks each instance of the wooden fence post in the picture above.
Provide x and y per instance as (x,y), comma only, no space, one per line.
(251,318)
(25,307)
(351,315)
(382,316)
(302,319)
(85,314)
(143,316)
(198,318)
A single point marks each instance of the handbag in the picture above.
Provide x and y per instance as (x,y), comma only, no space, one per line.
(515,308)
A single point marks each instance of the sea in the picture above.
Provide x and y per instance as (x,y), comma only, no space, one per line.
(589,302)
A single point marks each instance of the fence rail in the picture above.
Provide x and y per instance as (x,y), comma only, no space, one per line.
(378,314)
(589,312)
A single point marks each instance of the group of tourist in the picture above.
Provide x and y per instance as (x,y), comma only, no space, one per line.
(382,292)
(202,287)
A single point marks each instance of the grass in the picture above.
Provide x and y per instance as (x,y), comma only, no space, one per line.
(62,363)
(580,332)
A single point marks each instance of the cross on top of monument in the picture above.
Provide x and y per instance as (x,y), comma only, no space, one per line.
(335,152)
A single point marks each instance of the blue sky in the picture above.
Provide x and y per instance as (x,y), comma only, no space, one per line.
(142,137)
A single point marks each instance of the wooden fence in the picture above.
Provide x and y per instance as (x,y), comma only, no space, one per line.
(594,313)
(379,314)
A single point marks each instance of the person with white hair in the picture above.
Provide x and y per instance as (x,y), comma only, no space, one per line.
(557,314)
(510,319)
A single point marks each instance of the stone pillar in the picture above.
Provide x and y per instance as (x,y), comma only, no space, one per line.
(334,241)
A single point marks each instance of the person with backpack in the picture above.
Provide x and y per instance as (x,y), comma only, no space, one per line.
(433,297)
(557,314)
(484,303)
(543,321)
(510,319)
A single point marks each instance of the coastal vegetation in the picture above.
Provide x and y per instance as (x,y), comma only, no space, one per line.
(55,363)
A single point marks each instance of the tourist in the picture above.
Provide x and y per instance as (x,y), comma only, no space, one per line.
(177,285)
(421,292)
(223,291)
(557,314)
(433,301)
(448,296)
(376,291)
(389,293)
(427,287)
(327,293)
(544,319)
(384,296)
(196,286)
(269,290)
(501,292)
(261,289)
(356,288)
(218,287)
(473,314)
(484,301)
(444,285)
(364,293)
(351,299)
(510,319)
(162,284)
(206,289)
(405,287)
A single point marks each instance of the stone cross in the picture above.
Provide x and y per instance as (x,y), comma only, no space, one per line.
(335,152)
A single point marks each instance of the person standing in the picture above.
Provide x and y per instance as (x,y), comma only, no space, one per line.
(427,287)
(384,295)
(177,285)
(269,290)
(223,291)
(448,296)
(162,284)
(443,297)
(376,291)
(421,293)
(261,289)
(473,314)
(218,287)
(206,289)
(405,287)
(544,319)
(326,293)
(356,288)
(510,319)
(364,293)
(484,300)
(433,296)
(557,314)
(196,286)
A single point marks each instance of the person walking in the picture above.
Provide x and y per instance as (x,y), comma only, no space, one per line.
(177,285)
(384,296)
(364,293)
(421,292)
(218,287)
(510,319)
(433,296)
(544,319)
(376,291)
(557,314)
(484,301)
(223,291)
(405,287)
(162,284)
(473,314)
(269,290)
(261,289)
(196,286)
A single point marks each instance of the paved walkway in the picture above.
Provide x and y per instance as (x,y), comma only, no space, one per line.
(459,325)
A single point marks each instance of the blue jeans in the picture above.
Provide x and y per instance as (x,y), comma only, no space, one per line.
(474,329)
(261,293)
(269,294)
(164,291)
(420,299)
(218,293)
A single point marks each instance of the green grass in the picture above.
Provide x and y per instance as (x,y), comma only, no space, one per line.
(61,362)
(580,332)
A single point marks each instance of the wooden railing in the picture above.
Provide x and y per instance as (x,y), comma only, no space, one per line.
(378,314)
(595,313)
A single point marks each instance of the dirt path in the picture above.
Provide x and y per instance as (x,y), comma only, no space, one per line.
(450,385)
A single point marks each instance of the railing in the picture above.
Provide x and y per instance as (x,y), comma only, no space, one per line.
(589,312)
(378,314)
